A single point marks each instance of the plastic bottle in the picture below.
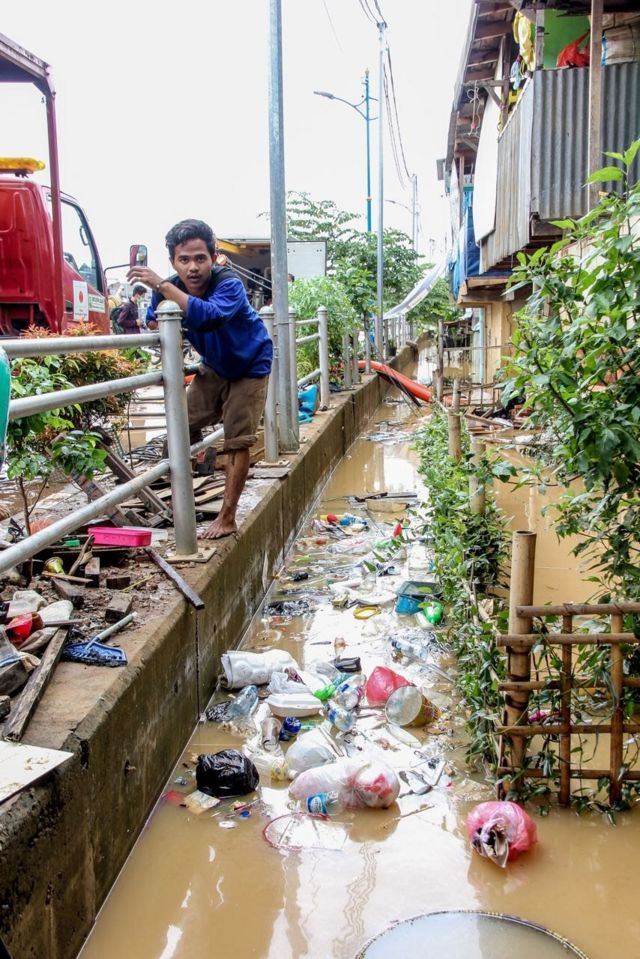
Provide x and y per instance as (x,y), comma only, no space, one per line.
(413,649)
(324,804)
(340,717)
(290,728)
(326,692)
(243,705)
(350,693)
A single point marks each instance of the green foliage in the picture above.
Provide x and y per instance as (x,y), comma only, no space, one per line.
(63,438)
(577,360)
(469,553)
(305,297)
(436,305)
(309,219)
(356,268)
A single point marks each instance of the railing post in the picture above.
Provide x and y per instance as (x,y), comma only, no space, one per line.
(287,430)
(169,317)
(355,375)
(346,362)
(270,410)
(367,346)
(323,350)
(293,383)
(523,555)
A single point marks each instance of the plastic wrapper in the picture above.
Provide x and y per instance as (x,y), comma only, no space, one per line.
(500,830)
(309,751)
(359,782)
(227,773)
(244,668)
(381,683)
(281,685)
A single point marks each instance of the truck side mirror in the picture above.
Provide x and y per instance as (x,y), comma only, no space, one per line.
(137,255)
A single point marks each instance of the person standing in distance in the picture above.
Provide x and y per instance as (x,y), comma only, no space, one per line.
(236,351)
(128,316)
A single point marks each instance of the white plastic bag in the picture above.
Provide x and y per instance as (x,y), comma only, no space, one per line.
(362,781)
(244,668)
(309,751)
(282,685)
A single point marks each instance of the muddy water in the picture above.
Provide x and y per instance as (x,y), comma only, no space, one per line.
(197,887)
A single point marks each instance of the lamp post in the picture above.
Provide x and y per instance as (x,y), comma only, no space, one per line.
(365,114)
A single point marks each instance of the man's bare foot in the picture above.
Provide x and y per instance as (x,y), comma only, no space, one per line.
(220,528)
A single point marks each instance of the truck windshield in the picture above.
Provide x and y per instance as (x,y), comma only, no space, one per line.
(78,248)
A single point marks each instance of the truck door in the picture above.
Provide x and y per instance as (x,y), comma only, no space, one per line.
(84,292)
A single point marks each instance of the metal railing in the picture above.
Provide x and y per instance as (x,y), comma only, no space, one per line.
(276,414)
(171,376)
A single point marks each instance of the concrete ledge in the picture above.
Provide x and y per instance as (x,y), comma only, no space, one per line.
(63,842)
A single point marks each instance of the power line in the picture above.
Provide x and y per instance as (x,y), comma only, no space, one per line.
(397,119)
(380,13)
(333,29)
(367,11)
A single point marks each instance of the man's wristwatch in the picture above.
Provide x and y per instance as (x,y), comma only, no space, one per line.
(159,284)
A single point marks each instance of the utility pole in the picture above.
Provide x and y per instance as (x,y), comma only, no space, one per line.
(367,117)
(379,328)
(288,413)
(414,212)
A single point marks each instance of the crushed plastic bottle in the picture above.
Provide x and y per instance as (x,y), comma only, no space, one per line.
(414,649)
(270,734)
(243,705)
(350,692)
(324,805)
(340,717)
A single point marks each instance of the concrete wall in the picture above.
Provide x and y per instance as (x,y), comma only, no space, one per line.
(63,842)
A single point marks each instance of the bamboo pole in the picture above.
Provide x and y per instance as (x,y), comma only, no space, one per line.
(565,712)
(455,441)
(617,718)
(477,499)
(567,639)
(577,609)
(532,773)
(523,553)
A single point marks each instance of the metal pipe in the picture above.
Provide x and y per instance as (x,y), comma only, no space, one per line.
(54,345)
(323,328)
(29,405)
(367,346)
(169,316)
(367,117)
(307,322)
(315,375)
(288,419)
(270,409)
(208,441)
(307,339)
(355,369)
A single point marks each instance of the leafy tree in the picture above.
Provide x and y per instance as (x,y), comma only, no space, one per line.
(306,296)
(436,305)
(577,361)
(309,219)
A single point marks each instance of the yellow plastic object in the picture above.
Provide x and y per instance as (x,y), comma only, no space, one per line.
(522,29)
(20,165)
(366,612)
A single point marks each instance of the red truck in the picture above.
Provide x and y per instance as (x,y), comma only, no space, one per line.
(50,269)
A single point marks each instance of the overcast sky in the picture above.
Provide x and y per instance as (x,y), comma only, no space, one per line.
(163,108)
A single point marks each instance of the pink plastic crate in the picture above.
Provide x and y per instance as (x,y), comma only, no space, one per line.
(120,535)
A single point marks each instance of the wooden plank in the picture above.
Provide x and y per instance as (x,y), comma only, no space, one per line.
(190,595)
(92,571)
(119,607)
(124,474)
(74,594)
(33,691)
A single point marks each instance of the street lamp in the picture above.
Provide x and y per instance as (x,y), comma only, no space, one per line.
(367,118)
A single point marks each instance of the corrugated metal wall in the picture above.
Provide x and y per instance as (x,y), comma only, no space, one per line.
(560,137)
(513,197)
(551,185)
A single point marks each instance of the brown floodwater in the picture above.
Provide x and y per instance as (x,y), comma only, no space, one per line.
(197,887)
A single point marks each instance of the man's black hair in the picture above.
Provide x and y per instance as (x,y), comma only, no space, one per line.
(138,288)
(187,230)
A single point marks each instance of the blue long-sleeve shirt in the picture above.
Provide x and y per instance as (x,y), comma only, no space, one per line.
(224,328)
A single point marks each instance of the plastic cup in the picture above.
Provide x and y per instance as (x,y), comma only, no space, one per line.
(407,706)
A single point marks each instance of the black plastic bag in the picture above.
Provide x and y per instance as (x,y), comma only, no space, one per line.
(227,773)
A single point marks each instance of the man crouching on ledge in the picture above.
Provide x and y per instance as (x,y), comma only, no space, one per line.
(236,351)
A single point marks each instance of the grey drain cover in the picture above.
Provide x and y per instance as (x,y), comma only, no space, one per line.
(469,935)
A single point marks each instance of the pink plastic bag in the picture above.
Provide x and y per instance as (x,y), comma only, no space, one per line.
(381,683)
(359,782)
(500,830)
